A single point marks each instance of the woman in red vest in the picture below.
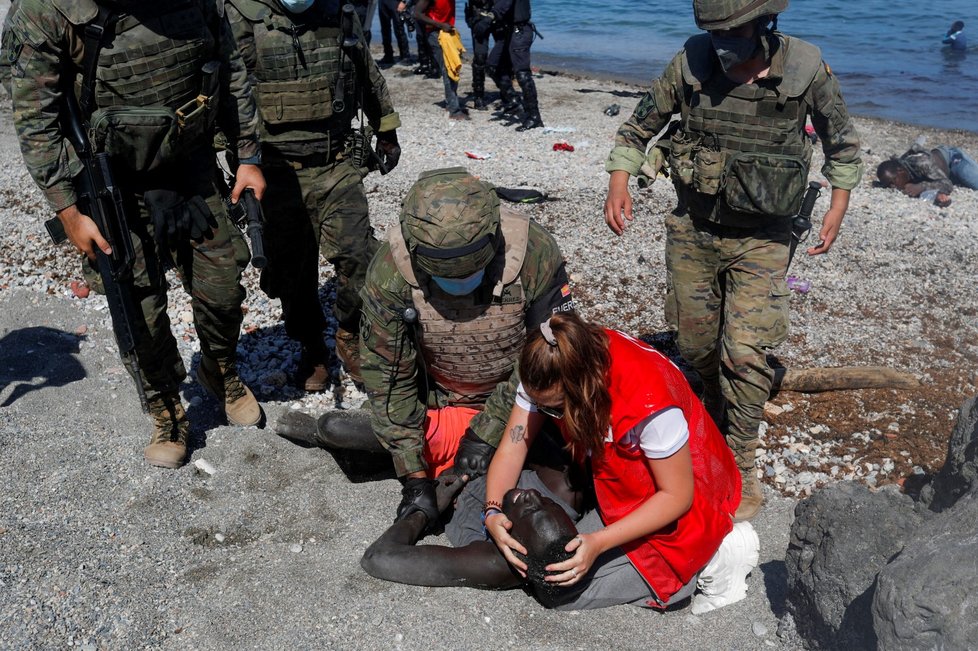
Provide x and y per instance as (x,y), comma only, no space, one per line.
(666,483)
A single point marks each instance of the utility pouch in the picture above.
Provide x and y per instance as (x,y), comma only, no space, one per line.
(765,184)
(303,100)
(140,138)
(197,117)
(681,159)
(708,165)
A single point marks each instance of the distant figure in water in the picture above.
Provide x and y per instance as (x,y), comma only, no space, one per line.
(955,37)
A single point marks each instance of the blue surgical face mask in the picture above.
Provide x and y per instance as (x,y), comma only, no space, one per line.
(733,50)
(460,286)
(296,6)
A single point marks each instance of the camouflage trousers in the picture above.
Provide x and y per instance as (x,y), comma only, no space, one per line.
(308,211)
(731,308)
(210,271)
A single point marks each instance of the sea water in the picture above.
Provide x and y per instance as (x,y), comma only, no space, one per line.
(887,54)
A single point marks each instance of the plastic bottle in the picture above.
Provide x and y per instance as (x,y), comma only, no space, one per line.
(799,285)
(928,195)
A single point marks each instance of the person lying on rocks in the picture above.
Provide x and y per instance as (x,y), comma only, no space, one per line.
(921,170)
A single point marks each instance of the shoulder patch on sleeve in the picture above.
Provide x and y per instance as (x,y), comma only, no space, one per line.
(645,106)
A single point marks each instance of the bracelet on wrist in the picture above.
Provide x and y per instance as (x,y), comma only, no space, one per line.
(492,504)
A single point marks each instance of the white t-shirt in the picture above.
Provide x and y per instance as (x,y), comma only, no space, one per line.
(660,435)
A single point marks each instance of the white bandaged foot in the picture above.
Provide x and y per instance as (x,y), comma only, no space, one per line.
(724,579)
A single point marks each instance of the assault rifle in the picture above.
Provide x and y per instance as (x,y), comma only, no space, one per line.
(801,224)
(363,153)
(101,199)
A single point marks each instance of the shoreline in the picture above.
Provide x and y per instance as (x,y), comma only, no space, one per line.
(551,65)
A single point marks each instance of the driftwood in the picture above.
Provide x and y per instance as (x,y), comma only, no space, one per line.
(815,380)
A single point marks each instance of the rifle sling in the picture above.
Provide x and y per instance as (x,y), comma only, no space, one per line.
(94,38)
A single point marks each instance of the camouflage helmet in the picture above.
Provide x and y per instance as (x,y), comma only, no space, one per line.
(727,14)
(450,223)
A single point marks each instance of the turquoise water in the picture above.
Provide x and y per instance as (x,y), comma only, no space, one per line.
(887,54)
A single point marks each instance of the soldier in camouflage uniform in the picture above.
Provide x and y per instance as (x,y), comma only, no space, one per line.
(740,160)
(309,87)
(447,303)
(137,80)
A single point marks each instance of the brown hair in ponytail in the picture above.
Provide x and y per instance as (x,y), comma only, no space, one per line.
(578,365)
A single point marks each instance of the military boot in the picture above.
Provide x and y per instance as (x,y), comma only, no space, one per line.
(751,495)
(168,447)
(531,117)
(348,350)
(220,379)
(313,374)
(479,88)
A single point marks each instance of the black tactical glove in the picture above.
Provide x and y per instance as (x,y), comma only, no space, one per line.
(419,494)
(388,151)
(473,456)
(177,219)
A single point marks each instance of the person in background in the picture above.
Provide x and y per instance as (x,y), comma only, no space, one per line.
(479,18)
(922,172)
(740,160)
(439,16)
(666,483)
(391,25)
(510,54)
(955,37)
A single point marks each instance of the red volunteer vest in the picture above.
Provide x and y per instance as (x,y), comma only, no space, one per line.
(643,382)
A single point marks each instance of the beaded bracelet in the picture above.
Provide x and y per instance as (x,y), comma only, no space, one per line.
(489,510)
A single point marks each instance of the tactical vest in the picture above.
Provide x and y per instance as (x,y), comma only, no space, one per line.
(470,345)
(742,154)
(297,67)
(148,98)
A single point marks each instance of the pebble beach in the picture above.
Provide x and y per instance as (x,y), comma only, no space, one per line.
(897,290)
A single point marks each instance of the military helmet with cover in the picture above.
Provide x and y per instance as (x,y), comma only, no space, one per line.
(726,14)
(450,223)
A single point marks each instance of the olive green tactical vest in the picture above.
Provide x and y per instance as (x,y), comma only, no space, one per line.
(296,69)
(154,59)
(752,135)
(469,344)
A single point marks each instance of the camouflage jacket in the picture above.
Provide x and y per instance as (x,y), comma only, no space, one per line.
(4,49)
(391,369)
(44,40)
(925,171)
(822,100)
(254,19)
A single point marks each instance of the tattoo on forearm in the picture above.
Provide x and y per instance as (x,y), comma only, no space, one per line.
(517,433)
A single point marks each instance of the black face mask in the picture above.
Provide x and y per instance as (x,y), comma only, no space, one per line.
(733,50)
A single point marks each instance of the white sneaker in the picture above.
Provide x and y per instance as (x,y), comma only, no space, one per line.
(724,579)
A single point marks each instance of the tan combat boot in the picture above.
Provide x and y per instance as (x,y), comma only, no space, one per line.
(751,495)
(220,379)
(348,350)
(313,373)
(168,447)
